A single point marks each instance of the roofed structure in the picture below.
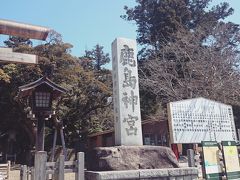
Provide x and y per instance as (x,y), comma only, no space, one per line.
(28,89)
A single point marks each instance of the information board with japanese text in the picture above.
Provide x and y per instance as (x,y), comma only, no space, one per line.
(200,119)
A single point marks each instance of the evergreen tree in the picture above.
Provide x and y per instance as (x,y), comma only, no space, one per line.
(188,51)
(97,57)
(83,109)
(158,20)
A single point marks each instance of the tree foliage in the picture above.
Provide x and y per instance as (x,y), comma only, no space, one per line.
(96,58)
(14,42)
(158,20)
(79,109)
(188,51)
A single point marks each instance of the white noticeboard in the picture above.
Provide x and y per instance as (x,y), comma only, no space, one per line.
(200,119)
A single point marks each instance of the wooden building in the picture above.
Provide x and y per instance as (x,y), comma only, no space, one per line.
(154,133)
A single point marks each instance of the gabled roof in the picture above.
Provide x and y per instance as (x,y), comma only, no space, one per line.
(26,90)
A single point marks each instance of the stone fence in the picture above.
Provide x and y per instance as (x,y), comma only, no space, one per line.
(189,173)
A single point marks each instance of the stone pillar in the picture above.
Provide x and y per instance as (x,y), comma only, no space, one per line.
(128,129)
(191,158)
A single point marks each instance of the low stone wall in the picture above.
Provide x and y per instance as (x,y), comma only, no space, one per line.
(145,174)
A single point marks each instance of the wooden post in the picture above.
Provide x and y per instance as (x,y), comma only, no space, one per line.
(23,173)
(63,143)
(79,175)
(40,133)
(61,168)
(32,173)
(54,144)
(59,172)
(195,148)
(8,169)
(40,165)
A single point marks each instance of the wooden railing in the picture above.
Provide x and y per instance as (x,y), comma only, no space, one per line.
(5,170)
(43,170)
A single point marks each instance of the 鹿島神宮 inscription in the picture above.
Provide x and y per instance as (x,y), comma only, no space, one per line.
(128,129)
(127,59)
(129,81)
(132,130)
(127,56)
(131,100)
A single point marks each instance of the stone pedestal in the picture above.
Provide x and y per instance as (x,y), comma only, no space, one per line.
(145,174)
(132,157)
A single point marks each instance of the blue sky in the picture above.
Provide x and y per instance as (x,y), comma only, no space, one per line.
(83,23)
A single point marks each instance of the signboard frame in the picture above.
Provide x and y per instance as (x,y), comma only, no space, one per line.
(230,157)
(210,150)
(200,119)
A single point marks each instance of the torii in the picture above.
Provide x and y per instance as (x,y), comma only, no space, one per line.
(7,55)
(21,30)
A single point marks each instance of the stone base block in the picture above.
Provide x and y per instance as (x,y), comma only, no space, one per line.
(145,174)
(131,157)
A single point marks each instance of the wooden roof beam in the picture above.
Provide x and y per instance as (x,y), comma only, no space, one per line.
(13,28)
(6,55)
